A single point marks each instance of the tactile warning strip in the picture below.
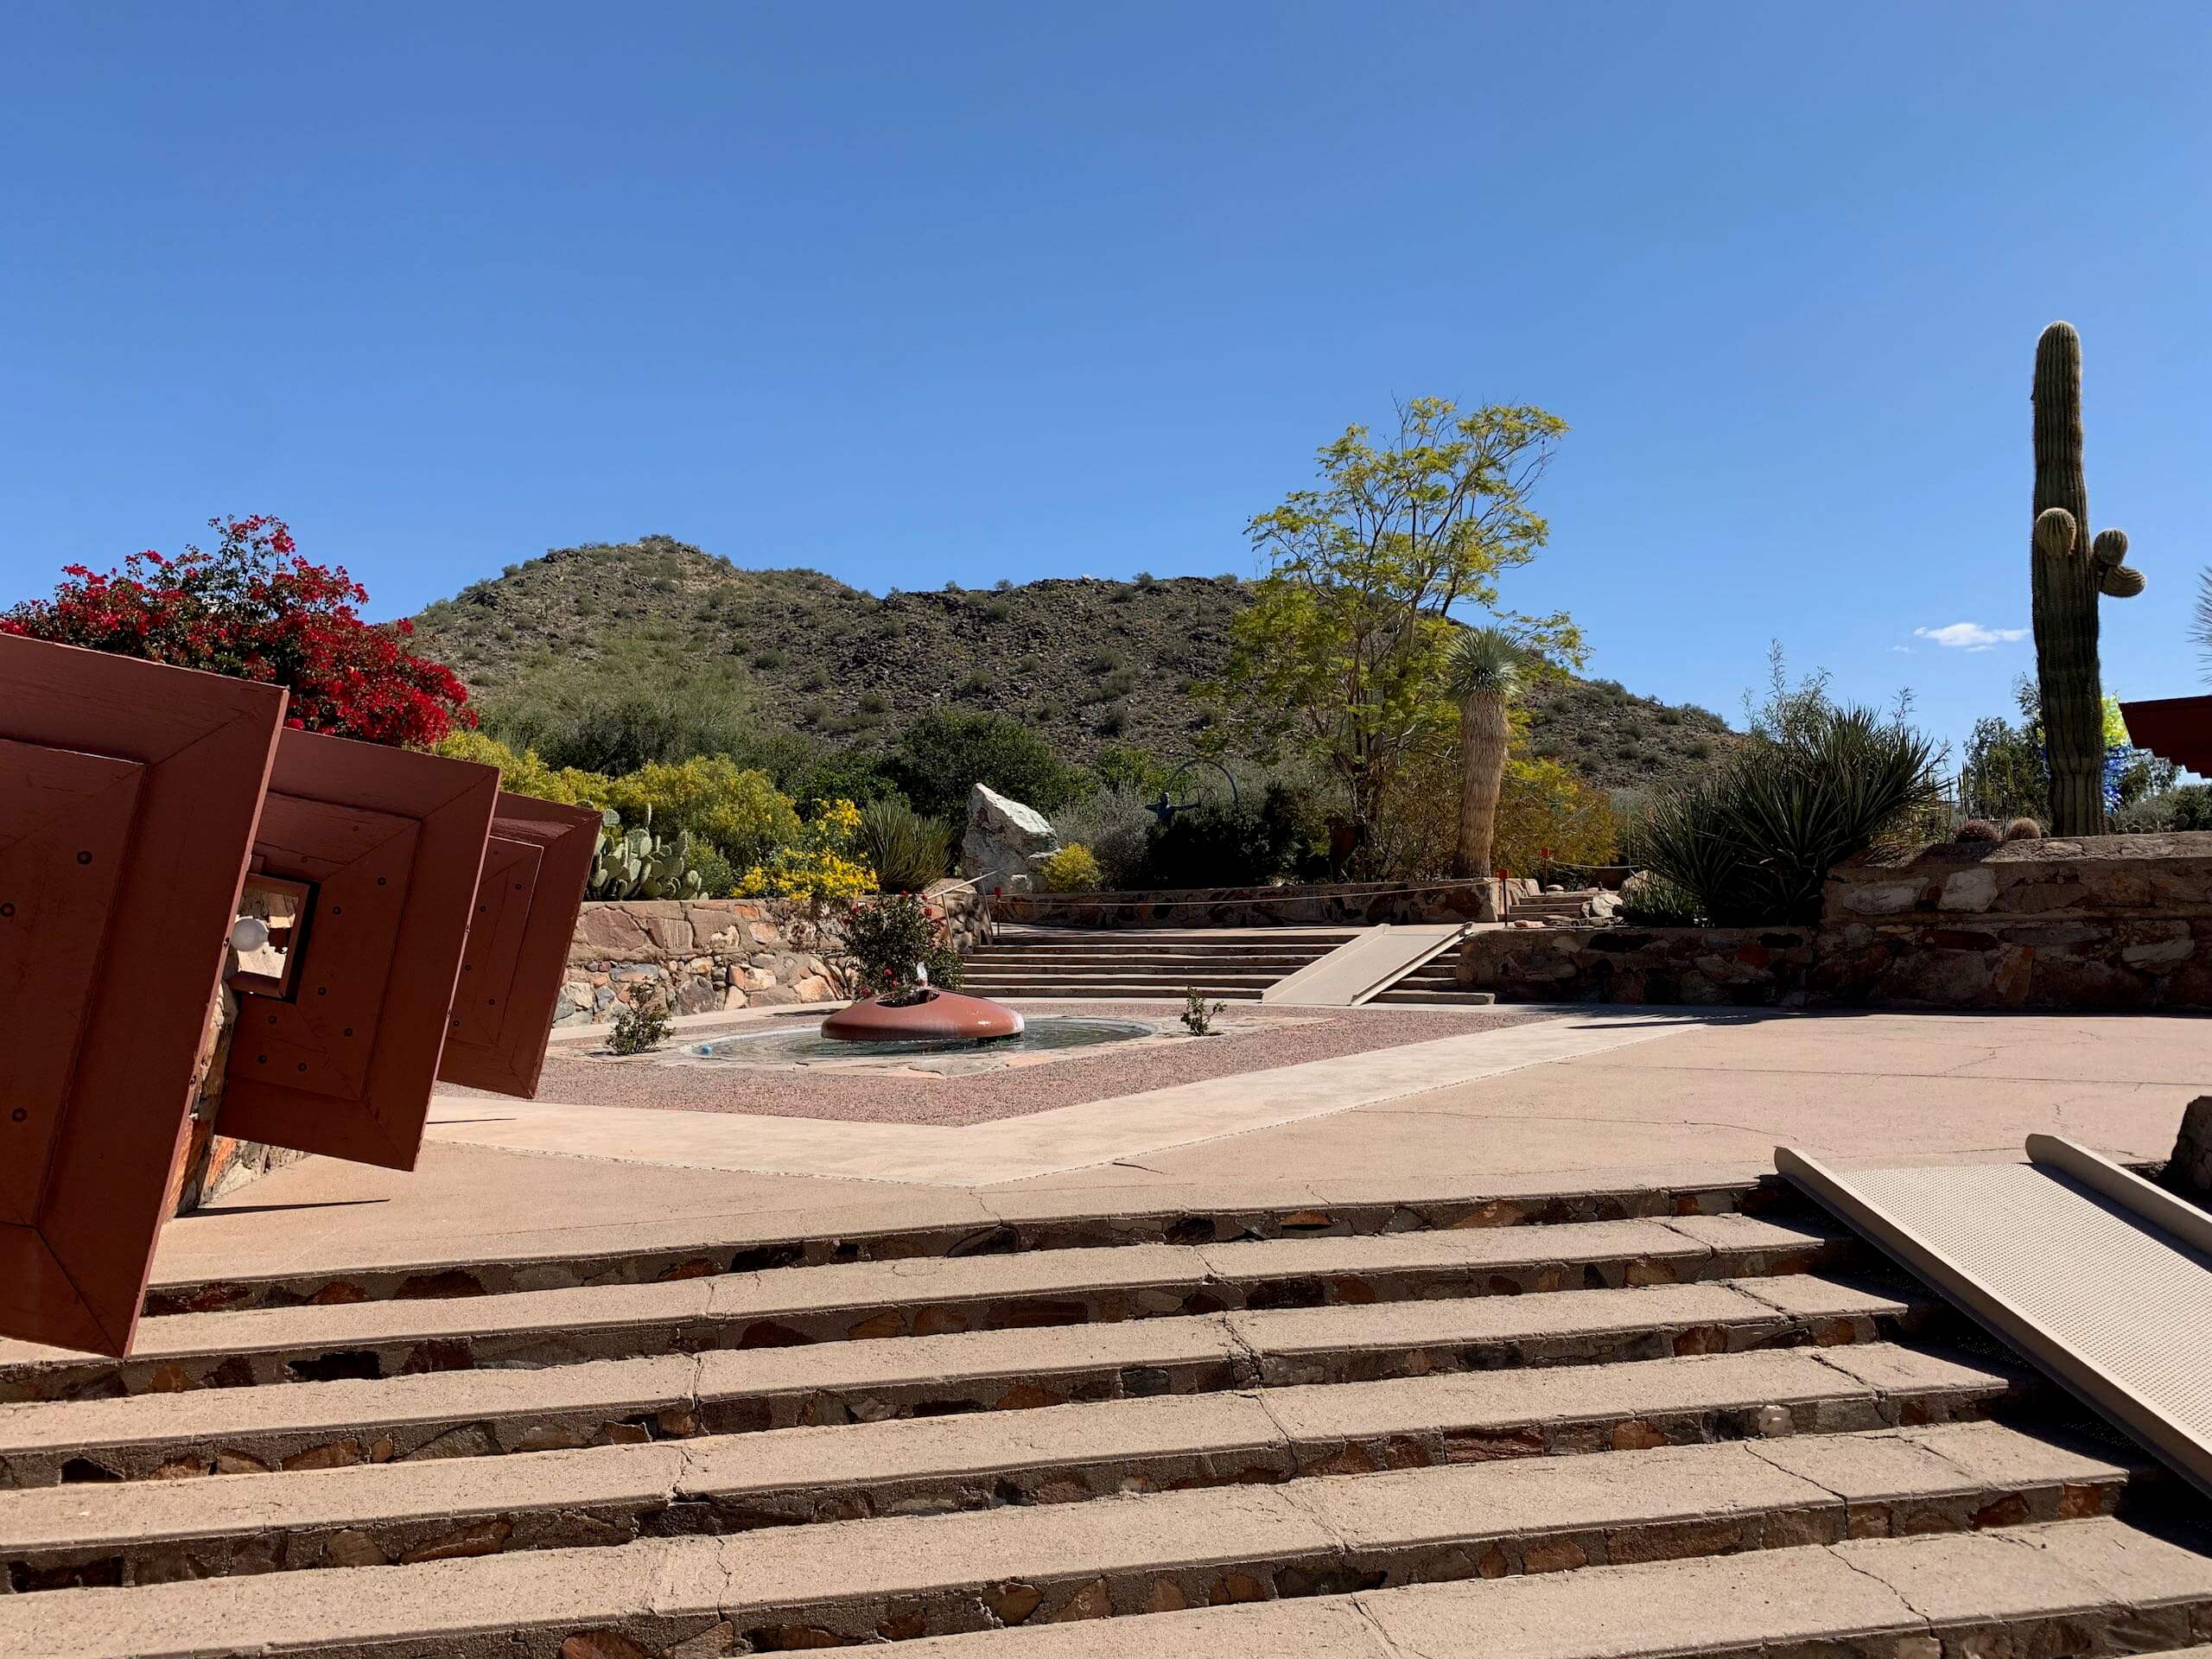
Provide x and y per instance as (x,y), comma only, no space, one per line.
(2102,1299)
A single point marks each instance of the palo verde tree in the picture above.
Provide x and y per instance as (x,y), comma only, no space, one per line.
(1342,658)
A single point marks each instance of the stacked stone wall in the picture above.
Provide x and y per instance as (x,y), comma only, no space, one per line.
(704,956)
(2109,922)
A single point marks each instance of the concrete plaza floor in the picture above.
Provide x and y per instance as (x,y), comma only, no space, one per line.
(1583,1093)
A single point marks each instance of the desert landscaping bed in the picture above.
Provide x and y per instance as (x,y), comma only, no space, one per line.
(1253,1040)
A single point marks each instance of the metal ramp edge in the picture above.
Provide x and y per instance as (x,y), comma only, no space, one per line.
(2100,1280)
(1365,966)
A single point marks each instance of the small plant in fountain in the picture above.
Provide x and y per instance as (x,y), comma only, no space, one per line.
(895,948)
(640,1028)
(1198,1015)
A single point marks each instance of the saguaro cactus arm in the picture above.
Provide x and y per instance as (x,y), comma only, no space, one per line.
(2067,577)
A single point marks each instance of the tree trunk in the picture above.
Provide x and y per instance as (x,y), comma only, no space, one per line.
(1483,731)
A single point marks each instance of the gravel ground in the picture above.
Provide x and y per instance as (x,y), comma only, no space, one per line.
(1284,1038)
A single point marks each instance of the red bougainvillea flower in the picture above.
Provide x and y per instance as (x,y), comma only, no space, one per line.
(254,608)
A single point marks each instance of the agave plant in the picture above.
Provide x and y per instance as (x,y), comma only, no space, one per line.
(1754,842)
(906,850)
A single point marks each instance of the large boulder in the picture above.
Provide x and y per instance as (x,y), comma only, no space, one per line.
(1005,842)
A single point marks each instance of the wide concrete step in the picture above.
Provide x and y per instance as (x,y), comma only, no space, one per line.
(2099,1586)
(874,1301)
(138,1533)
(1442,995)
(1119,990)
(1226,938)
(1130,973)
(527,1405)
(873,1581)
(647,1250)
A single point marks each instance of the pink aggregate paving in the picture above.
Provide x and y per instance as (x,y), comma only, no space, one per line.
(1289,1038)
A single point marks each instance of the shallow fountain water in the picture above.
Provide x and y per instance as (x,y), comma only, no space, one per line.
(1052,1033)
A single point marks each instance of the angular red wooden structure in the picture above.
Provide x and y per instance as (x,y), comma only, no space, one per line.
(536,866)
(2178,729)
(129,796)
(391,843)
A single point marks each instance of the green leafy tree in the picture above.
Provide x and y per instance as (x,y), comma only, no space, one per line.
(1342,656)
(948,751)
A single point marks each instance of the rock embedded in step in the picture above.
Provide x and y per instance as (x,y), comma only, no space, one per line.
(1005,842)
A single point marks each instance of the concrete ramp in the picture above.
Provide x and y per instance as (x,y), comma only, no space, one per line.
(2103,1280)
(1373,960)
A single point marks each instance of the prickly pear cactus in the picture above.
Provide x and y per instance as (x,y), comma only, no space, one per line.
(2070,569)
(637,864)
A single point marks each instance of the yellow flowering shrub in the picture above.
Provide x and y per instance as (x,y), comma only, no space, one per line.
(817,864)
(740,810)
(1073,868)
(525,774)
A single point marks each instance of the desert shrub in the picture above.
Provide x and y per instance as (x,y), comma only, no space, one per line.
(1546,813)
(886,939)
(526,773)
(1072,869)
(907,850)
(1116,826)
(1753,841)
(620,734)
(738,810)
(1649,900)
(254,608)
(637,1029)
(1216,844)
(817,864)
(2186,806)
(948,751)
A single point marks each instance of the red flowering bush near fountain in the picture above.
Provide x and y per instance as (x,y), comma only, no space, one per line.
(253,608)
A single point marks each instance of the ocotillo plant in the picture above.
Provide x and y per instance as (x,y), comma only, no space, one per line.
(2070,571)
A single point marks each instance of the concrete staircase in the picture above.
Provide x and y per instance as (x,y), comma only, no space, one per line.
(1552,909)
(1437,983)
(1238,965)
(1571,1424)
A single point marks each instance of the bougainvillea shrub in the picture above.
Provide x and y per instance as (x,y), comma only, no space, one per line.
(251,607)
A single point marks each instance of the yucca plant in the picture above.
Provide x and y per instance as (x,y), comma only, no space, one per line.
(1754,842)
(1484,677)
(906,850)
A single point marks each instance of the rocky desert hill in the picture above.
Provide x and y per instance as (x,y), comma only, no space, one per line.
(1087,662)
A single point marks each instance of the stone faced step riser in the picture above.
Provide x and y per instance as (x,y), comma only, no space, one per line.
(754,1408)
(1767,1196)
(1200,1293)
(1030,1597)
(690,1508)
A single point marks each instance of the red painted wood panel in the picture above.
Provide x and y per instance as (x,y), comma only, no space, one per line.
(129,796)
(535,868)
(392,843)
(2178,729)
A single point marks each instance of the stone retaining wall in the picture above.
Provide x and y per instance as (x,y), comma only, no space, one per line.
(1700,966)
(2099,921)
(702,955)
(2122,922)
(1352,903)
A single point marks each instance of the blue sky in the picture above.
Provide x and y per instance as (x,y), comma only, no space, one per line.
(962,291)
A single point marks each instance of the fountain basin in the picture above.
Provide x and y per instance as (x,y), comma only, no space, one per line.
(941,1016)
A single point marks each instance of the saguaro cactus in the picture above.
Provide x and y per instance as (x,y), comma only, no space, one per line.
(2070,571)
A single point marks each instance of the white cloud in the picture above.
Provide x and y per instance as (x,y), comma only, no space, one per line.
(1970,636)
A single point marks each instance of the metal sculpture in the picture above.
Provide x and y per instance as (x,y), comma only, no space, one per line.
(129,794)
(527,898)
(391,844)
